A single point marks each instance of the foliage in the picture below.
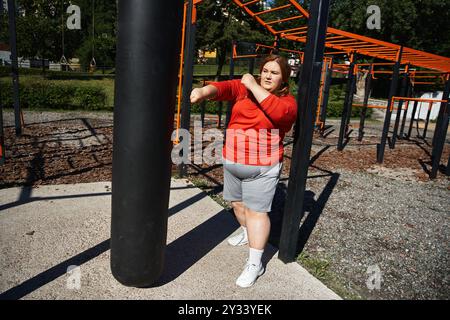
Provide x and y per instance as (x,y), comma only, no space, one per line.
(45,94)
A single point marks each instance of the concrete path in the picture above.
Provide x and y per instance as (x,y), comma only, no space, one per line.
(45,230)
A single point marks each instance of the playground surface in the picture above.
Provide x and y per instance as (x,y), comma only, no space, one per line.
(360,215)
(47,229)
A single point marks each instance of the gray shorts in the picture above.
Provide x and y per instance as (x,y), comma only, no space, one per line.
(255,186)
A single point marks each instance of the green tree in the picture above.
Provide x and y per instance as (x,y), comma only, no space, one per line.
(219,22)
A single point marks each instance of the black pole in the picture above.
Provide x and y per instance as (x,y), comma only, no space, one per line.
(441,134)
(402,127)
(427,121)
(230,103)
(2,139)
(326,94)
(399,109)
(347,105)
(251,65)
(307,97)
(202,112)
(188,71)
(363,113)
(445,93)
(14,65)
(387,119)
(219,113)
(143,124)
(411,123)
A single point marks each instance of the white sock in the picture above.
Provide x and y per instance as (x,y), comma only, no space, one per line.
(255,256)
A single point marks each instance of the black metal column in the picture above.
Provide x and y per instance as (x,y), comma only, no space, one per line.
(219,113)
(445,93)
(230,103)
(440,136)
(307,101)
(251,65)
(188,71)
(363,113)
(143,124)
(14,65)
(403,90)
(2,139)
(387,119)
(326,95)
(409,93)
(347,104)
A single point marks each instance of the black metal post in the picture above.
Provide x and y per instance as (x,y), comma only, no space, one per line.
(219,113)
(411,123)
(445,93)
(143,124)
(427,121)
(307,101)
(188,71)
(14,65)
(2,139)
(441,133)
(387,120)
(202,112)
(230,103)
(408,95)
(251,65)
(326,95)
(399,108)
(363,113)
(347,104)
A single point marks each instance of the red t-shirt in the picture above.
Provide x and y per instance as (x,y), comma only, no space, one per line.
(256,131)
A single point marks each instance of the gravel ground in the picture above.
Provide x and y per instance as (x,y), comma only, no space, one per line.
(360,216)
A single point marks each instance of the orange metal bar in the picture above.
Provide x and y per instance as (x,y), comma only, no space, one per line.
(293,29)
(180,74)
(250,2)
(283,20)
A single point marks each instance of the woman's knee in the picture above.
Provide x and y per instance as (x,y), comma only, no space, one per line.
(238,205)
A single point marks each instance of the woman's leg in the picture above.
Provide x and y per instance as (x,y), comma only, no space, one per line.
(239,212)
(258,228)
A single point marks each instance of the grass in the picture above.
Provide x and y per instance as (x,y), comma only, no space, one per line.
(320,268)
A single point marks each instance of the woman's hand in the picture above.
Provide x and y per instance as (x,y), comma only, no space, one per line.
(197,95)
(249,81)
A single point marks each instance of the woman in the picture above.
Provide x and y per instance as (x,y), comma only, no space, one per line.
(262,113)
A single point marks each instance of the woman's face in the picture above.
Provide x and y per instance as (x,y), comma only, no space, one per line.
(271,78)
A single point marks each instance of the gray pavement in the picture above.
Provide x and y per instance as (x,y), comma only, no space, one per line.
(45,230)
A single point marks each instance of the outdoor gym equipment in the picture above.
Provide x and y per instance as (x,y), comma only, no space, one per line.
(146,69)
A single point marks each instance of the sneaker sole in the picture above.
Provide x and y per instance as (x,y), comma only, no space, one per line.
(250,284)
(239,244)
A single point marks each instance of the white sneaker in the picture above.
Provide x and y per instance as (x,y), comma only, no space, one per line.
(239,239)
(249,275)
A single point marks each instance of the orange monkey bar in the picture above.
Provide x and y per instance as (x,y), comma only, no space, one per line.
(343,41)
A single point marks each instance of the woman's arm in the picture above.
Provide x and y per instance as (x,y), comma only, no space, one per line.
(200,94)
(250,83)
